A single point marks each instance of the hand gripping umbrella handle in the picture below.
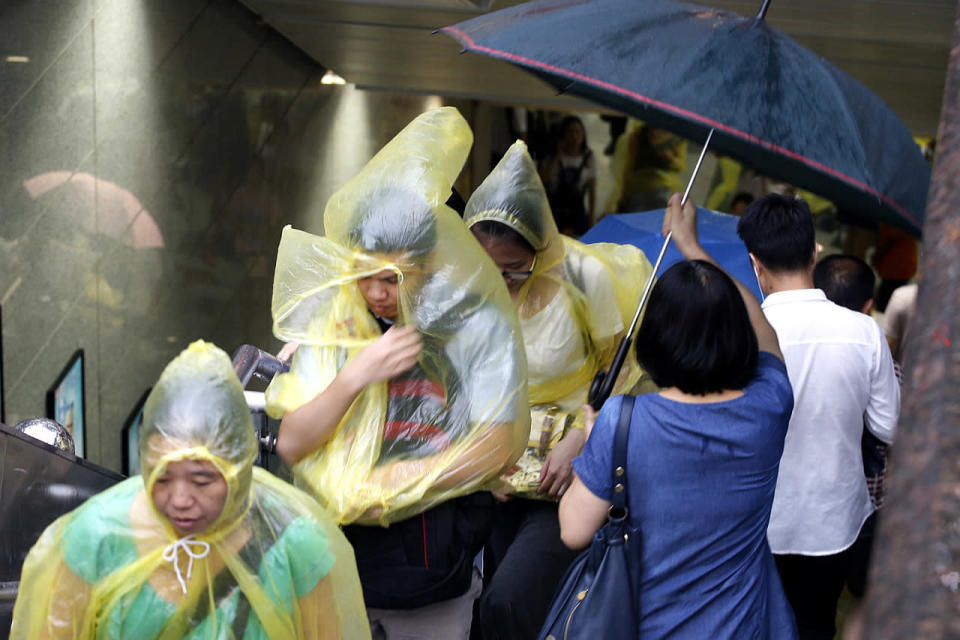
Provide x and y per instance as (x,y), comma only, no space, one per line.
(603,382)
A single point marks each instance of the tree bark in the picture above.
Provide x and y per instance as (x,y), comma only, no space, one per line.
(914,588)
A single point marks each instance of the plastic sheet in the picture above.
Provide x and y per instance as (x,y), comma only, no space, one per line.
(458,418)
(272,564)
(647,167)
(573,309)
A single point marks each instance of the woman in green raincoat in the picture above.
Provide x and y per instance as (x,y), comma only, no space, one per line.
(202,544)
(574,303)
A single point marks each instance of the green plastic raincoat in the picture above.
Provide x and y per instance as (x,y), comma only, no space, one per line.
(272,564)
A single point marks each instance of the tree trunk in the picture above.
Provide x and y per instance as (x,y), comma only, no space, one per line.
(914,590)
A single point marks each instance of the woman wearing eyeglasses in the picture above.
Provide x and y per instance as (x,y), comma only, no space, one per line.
(574,302)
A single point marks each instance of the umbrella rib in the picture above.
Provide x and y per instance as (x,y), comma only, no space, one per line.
(573,75)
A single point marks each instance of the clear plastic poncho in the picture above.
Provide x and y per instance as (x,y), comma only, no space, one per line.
(271,565)
(574,308)
(453,423)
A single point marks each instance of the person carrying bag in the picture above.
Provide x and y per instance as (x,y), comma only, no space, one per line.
(594,597)
(698,474)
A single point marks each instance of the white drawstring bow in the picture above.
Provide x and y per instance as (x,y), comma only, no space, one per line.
(171,554)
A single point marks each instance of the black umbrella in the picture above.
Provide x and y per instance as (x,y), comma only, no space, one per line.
(774,105)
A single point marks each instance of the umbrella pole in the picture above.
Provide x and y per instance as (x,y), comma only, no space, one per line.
(602,385)
(763,10)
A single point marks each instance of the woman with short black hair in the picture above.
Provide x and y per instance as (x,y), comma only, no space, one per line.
(696,334)
(702,457)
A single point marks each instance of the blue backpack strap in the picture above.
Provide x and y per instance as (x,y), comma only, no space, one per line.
(619,501)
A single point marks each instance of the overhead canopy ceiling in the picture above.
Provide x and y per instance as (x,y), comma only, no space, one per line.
(898,48)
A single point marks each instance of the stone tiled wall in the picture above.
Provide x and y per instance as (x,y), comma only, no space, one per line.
(150,153)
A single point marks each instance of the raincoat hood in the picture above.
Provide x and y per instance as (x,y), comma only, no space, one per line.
(197,411)
(514,195)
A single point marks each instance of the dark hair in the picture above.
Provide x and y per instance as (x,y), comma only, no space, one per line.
(566,122)
(456,202)
(696,334)
(846,280)
(743,196)
(391,220)
(779,232)
(500,231)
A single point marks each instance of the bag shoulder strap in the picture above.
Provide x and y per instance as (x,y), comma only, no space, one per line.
(619,501)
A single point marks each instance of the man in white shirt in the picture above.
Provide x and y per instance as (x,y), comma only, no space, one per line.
(843,378)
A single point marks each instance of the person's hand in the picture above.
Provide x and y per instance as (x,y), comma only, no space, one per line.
(683,223)
(287,352)
(388,356)
(557,472)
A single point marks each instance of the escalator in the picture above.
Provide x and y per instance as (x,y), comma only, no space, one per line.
(38,483)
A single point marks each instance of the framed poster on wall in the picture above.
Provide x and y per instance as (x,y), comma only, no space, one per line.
(131,436)
(65,401)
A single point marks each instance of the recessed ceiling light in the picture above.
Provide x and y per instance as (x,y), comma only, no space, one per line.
(17,59)
(331,78)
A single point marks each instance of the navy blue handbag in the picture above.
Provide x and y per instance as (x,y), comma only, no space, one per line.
(599,593)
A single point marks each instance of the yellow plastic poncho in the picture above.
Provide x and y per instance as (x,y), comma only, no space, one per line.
(646,170)
(453,423)
(576,305)
(272,564)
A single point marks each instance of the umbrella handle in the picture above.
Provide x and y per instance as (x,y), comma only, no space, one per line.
(603,382)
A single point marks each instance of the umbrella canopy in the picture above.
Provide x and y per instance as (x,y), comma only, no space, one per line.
(717,233)
(775,106)
(101,207)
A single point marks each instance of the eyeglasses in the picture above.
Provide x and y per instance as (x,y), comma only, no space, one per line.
(519,276)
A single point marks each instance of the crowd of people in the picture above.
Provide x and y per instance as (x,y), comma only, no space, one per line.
(448,468)
(641,166)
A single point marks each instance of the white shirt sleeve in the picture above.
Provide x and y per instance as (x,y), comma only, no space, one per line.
(883,407)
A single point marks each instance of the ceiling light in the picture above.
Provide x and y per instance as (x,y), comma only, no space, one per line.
(17,59)
(331,78)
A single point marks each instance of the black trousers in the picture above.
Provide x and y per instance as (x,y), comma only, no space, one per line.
(813,585)
(530,560)
(860,555)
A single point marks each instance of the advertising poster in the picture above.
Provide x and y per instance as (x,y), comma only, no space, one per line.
(65,401)
(131,437)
